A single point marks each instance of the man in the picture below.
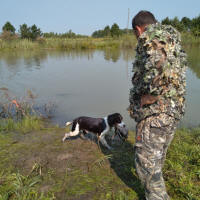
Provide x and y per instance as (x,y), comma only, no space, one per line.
(156,99)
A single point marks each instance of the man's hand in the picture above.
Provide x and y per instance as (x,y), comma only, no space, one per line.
(148,99)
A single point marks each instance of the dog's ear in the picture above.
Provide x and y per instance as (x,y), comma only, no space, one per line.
(118,118)
(110,120)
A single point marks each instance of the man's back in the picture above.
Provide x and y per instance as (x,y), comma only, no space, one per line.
(159,74)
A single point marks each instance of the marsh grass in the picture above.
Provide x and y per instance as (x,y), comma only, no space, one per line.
(28,123)
(17,186)
(190,40)
(182,168)
(21,114)
(127,41)
(124,42)
(18,44)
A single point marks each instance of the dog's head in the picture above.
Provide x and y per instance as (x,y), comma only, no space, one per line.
(114,119)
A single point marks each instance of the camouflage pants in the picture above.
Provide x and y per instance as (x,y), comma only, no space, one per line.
(153,136)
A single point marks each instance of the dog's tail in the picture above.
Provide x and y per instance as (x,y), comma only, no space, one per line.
(68,123)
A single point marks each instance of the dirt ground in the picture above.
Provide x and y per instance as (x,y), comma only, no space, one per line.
(76,168)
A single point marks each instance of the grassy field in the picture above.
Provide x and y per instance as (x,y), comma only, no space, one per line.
(123,42)
(190,40)
(36,165)
(127,41)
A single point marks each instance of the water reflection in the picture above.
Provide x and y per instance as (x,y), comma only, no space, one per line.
(30,58)
(194,59)
(89,82)
(112,55)
(72,54)
(15,59)
(36,58)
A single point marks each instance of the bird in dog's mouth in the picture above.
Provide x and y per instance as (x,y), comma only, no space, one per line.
(122,132)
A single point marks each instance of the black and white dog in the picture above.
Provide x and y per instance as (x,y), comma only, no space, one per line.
(98,126)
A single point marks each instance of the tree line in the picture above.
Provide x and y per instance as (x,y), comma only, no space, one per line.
(33,32)
(68,34)
(25,31)
(113,31)
(185,24)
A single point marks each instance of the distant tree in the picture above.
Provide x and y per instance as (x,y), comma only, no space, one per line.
(35,32)
(69,34)
(24,31)
(196,21)
(50,35)
(174,22)
(177,24)
(195,28)
(8,27)
(94,34)
(97,34)
(166,21)
(29,32)
(187,23)
(107,31)
(115,31)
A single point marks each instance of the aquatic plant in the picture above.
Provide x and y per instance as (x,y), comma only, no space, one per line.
(22,114)
(126,41)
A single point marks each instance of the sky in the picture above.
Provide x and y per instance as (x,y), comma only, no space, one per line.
(86,16)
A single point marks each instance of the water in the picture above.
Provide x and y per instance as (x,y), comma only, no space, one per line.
(91,83)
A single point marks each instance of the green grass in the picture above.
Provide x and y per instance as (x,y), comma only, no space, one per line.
(190,40)
(127,41)
(33,167)
(182,168)
(123,42)
(18,44)
(27,124)
(17,186)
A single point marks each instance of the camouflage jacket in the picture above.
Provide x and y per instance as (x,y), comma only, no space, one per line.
(159,74)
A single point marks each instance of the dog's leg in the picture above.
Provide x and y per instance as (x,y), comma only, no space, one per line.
(98,138)
(103,140)
(114,133)
(82,135)
(71,133)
